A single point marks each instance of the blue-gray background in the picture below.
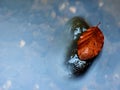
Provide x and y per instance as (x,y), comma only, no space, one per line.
(33,44)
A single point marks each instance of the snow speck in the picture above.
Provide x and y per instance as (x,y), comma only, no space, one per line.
(72,9)
(116,76)
(36,87)
(22,43)
(54,86)
(7,85)
(101,4)
(62,7)
(53,14)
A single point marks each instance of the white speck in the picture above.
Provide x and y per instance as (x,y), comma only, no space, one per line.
(53,14)
(101,4)
(62,20)
(116,76)
(65,19)
(7,85)
(54,86)
(72,9)
(62,7)
(36,87)
(22,43)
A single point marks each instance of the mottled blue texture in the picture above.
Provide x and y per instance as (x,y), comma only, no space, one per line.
(33,42)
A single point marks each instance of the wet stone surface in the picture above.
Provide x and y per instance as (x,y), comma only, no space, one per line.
(76,26)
